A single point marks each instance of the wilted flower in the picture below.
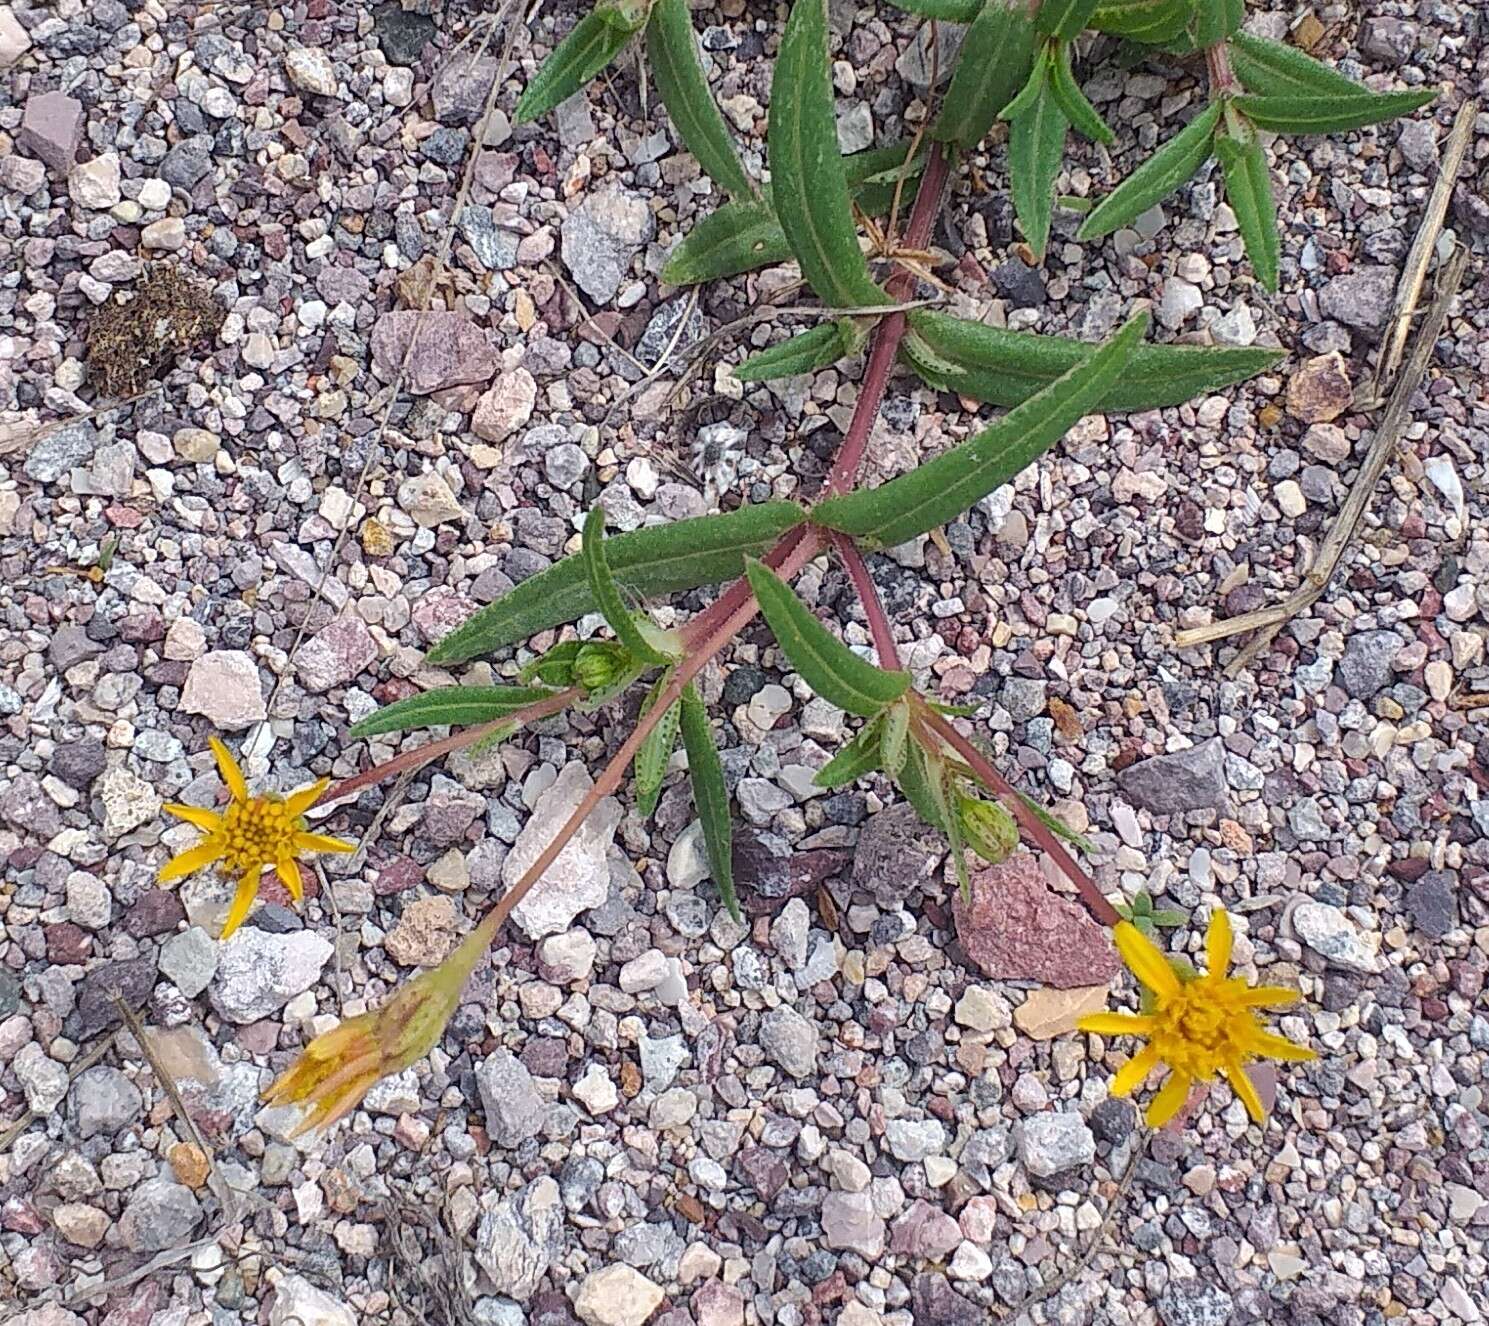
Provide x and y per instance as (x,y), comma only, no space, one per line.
(252,835)
(338,1067)
(1197,1026)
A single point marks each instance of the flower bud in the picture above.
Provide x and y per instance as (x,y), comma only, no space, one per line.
(987,828)
(600,665)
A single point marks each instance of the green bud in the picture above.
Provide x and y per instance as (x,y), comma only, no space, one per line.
(988,829)
(600,665)
(556,667)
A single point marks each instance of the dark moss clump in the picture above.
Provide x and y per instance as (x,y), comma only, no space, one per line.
(130,343)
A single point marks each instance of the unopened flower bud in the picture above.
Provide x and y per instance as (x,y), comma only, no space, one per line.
(600,665)
(987,828)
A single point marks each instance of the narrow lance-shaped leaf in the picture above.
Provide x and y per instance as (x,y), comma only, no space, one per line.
(450,706)
(894,743)
(941,489)
(1334,113)
(672,53)
(825,663)
(939,784)
(808,187)
(917,779)
(1076,107)
(1036,143)
(656,751)
(607,595)
(805,352)
(1248,190)
(1064,18)
(1273,68)
(659,559)
(1168,168)
(855,760)
(737,237)
(596,40)
(1148,21)
(996,58)
(1007,367)
(952,11)
(710,795)
(1215,20)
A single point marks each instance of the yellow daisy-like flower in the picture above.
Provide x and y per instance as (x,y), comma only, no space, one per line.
(1198,1026)
(252,835)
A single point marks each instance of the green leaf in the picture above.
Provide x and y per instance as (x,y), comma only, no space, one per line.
(874,173)
(825,663)
(1007,367)
(894,741)
(555,667)
(1275,69)
(738,237)
(808,187)
(607,595)
(943,488)
(1168,917)
(1248,190)
(1064,18)
(1215,20)
(672,53)
(939,784)
(710,795)
(996,60)
(916,780)
(1169,167)
(659,559)
(1057,826)
(1333,113)
(858,758)
(952,11)
(1036,142)
(805,352)
(656,751)
(1149,21)
(450,706)
(596,40)
(1073,102)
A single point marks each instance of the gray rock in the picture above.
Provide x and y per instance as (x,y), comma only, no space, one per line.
(495,247)
(1365,668)
(601,236)
(189,961)
(789,932)
(1361,300)
(1389,40)
(896,853)
(514,1109)
(78,763)
(59,450)
(449,350)
(1418,143)
(663,326)
(160,1215)
(459,90)
(1192,779)
(131,979)
(518,1241)
(789,1041)
(258,973)
(1334,937)
(1432,903)
(849,1221)
(42,1078)
(661,1057)
(297,1302)
(1194,1303)
(1023,697)
(915,1139)
(187,162)
(104,1101)
(1052,1143)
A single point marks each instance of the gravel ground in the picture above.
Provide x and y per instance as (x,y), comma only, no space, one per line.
(840,1112)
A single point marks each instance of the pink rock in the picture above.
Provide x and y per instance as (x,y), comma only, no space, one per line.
(925,1231)
(1016,928)
(717,1304)
(52,128)
(336,655)
(449,350)
(439,611)
(979,1219)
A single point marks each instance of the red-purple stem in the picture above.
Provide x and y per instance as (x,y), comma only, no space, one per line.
(868,596)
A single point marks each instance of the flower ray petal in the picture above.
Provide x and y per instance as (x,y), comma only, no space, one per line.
(190,861)
(1145,960)
(1170,1099)
(232,775)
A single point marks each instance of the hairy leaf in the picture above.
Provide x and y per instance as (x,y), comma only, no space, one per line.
(1248,190)
(1333,113)
(941,489)
(804,352)
(607,593)
(656,750)
(997,57)
(1036,142)
(1064,18)
(916,780)
(659,559)
(894,742)
(1273,68)
(737,237)
(1148,21)
(710,795)
(450,706)
(1006,367)
(825,663)
(952,11)
(596,40)
(1169,167)
(1215,20)
(1074,103)
(858,758)
(874,173)
(808,186)
(672,52)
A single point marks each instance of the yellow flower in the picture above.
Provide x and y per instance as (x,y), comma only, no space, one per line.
(252,835)
(1198,1026)
(338,1067)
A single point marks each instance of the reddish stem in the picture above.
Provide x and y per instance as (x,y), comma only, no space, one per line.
(1036,828)
(890,331)
(868,595)
(1217,65)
